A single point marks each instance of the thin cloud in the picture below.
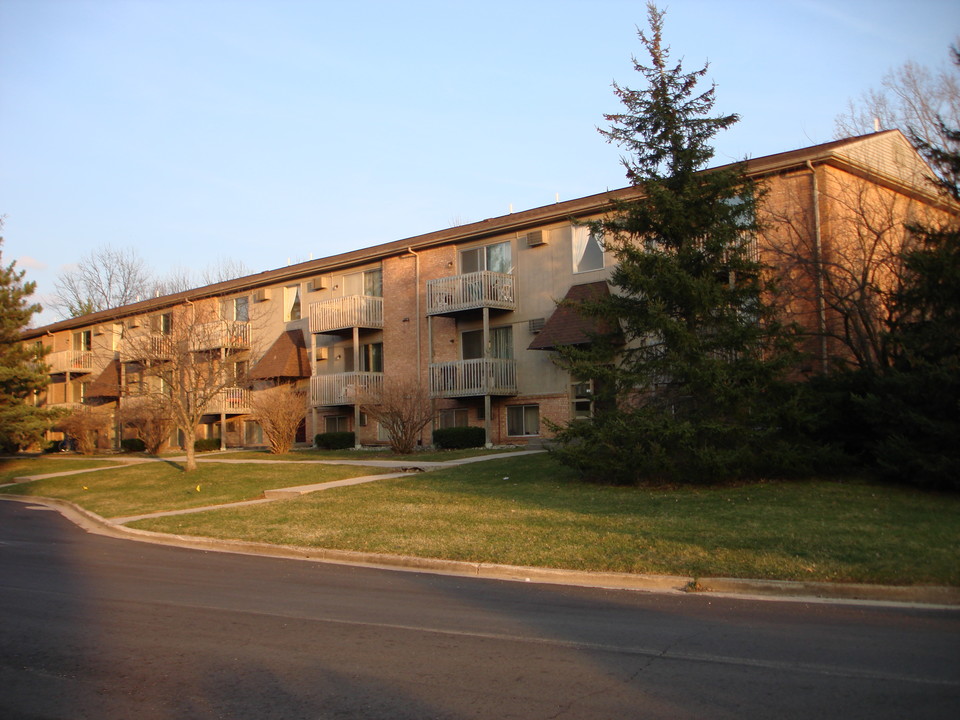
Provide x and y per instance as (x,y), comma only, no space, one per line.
(31,263)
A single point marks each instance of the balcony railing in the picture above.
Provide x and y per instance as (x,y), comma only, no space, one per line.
(466,378)
(471,291)
(230,401)
(341,313)
(74,361)
(216,335)
(146,347)
(344,388)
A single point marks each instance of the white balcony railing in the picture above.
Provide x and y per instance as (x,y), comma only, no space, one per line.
(216,335)
(341,313)
(75,361)
(471,291)
(344,388)
(230,401)
(465,378)
(146,347)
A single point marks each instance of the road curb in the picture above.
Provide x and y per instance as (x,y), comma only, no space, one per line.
(938,596)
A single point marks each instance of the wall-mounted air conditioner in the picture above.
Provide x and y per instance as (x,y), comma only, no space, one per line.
(536,325)
(535,238)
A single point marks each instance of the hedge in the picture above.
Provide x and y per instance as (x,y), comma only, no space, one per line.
(456,438)
(335,440)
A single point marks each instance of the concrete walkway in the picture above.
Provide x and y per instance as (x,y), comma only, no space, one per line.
(404,467)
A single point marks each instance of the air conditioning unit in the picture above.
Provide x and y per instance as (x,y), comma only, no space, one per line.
(536,324)
(535,238)
(134,322)
(318,283)
(323,353)
(261,295)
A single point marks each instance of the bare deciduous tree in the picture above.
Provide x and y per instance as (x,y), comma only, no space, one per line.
(152,419)
(279,410)
(191,359)
(403,409)
(105,278)
(912,98)
(846,283)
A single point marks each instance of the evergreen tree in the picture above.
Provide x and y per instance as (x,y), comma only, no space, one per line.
(914,406)
(21,370)
(694,392)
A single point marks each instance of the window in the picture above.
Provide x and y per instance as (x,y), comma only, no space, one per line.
(291,303)
(523,420)
(237,371)
(368,283)
(162,324)
(495,258)
(581,399)
(83,340)
(235,309)
(252,433)
(454,417)
(371,357)
(587,250)
(335,423)
(501,343)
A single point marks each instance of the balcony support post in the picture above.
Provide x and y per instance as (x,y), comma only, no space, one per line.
(356,404)
(485,379)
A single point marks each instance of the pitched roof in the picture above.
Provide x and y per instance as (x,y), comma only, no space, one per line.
(568,326)
(850,152)
(107,383)
(286,358)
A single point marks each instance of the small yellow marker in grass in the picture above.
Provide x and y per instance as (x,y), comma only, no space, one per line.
(198,488)
(85,487)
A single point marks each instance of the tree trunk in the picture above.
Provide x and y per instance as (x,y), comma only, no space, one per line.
(189,436)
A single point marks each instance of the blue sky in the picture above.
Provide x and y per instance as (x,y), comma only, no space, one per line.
(272,131)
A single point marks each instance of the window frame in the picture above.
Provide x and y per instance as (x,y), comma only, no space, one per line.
(512,410)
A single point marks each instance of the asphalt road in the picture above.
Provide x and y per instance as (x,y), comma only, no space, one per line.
(96,627)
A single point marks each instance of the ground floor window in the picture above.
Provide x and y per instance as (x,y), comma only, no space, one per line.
(252,433)
(523,420)
(453,417)
(335,423)
(581,399)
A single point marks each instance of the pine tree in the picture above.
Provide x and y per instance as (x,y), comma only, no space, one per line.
(21,369)
(914,405)
(693,391)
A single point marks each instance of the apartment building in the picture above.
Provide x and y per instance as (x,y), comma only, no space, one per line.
(469,312)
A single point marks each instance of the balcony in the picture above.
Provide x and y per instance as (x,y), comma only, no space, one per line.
(216,335)
(230,401)
(344,388)
(70,361)
(363,311)
(146,347)
(472,291)
(468,378)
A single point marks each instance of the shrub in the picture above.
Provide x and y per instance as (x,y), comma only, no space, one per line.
(335,440)
(133,445)
(457,438)
(206,444)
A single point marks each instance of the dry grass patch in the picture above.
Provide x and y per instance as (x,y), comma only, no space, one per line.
(528,511)
(158,486)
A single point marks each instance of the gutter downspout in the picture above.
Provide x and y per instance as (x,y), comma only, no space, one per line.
(818,263)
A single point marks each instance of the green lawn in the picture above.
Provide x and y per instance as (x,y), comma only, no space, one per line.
(17,467)
(528,511)
(156,486)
